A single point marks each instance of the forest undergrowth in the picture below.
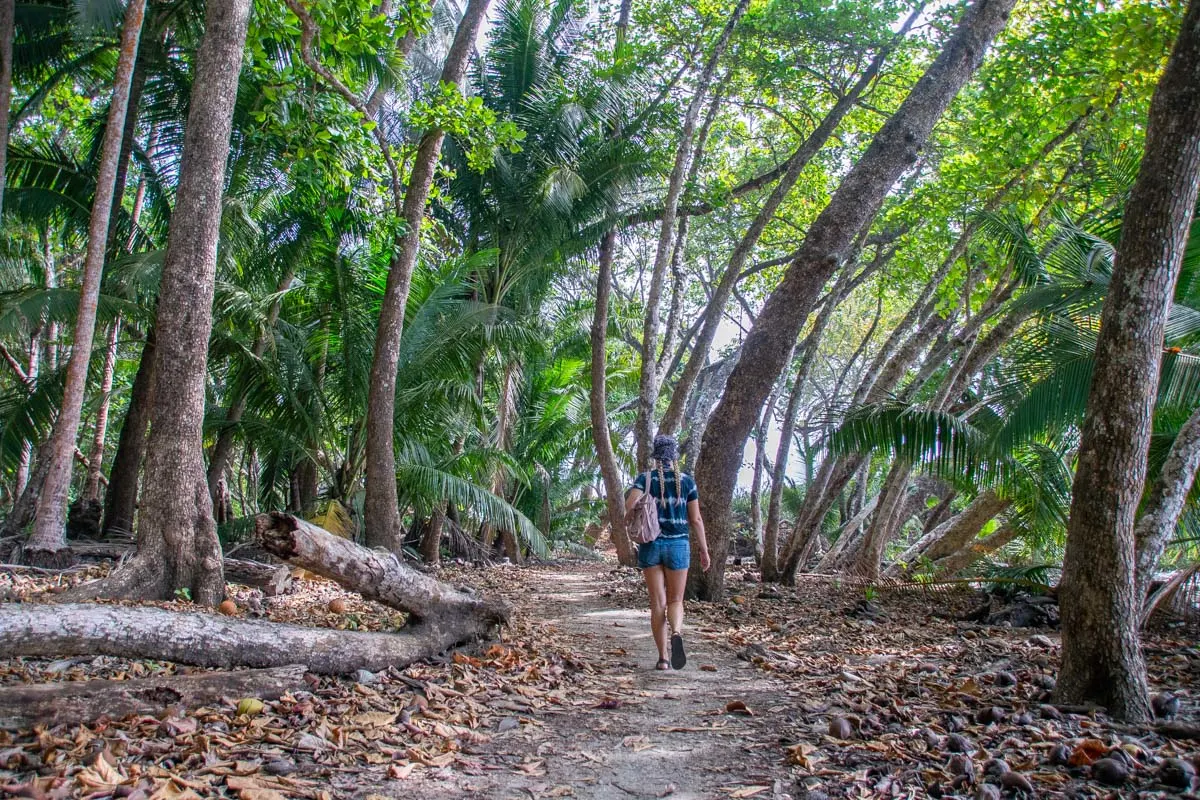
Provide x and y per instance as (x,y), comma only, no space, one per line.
(823,690)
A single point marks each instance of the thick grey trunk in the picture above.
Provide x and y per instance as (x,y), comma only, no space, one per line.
(49,531)
(381,511)
(828,242)
(120,501)
(648,384)
(1101,656)
(177,538)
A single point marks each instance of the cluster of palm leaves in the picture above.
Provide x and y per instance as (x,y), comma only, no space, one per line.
(491,406)
(1016,430)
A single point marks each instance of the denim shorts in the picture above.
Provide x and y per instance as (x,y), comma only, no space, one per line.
(671,553)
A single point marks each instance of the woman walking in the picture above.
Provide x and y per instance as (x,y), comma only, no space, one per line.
(664,561)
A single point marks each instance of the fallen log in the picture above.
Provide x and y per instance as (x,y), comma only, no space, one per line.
(378,575)
(206,639)
(272,579)
(73,702)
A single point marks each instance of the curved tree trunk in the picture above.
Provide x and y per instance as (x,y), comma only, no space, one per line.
(951,565)
(1101,656)
(120,501)
(49,531)
(177,538)
(792,169)
(598,405)
(1157,523)
(826,244)
(648,385)
(91,489)
(381,509)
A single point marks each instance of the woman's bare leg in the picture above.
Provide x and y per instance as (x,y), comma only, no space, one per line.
(658,607)
(676,582)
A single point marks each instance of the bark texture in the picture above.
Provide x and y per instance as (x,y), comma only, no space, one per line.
(826,244)
(50,519)
(202,639)
(648,385)
(381,510)
(120,501)
(91,488)
(7,23)
(1158,521)
(77,702)
(1101,658)
(610,471)
(177,538)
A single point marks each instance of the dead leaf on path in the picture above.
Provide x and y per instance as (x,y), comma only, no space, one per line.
(609,703)
(708,667)
(798,755)
(637,743)
(738,707)
(747,791)
(534,768)
(400,772)
(1087,752)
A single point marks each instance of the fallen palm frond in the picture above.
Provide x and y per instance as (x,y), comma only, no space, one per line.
(1181,594)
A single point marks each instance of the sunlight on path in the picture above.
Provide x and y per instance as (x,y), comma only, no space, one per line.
(633,731)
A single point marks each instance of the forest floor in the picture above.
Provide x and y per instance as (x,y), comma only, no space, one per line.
(807,692)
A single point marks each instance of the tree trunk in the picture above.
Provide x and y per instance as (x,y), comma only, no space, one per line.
(431,538)
(955,533)
(79,702)
(648,385)
(377,576)
(826,243)
(177,538)
(203,639)
(91,489)
(1158,521)
(951,565)
(50,519)
(120,501)
(1101,657)
(795,165)
(610,471)
(7,29)
(381,509)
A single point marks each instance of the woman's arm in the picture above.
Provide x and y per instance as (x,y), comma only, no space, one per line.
(696,523)
(631,497)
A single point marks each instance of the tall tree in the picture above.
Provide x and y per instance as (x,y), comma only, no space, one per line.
(1102,659)
(48,539)
(381,509)
(827,243)
(177,538)
(649,381)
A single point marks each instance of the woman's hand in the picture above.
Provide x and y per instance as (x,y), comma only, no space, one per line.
(705,561)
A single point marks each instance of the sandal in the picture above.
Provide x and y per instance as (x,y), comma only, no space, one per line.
(662,664)
(678,657)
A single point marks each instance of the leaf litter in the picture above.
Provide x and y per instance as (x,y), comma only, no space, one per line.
(794,693)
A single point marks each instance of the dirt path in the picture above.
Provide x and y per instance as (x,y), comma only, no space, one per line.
(669,733)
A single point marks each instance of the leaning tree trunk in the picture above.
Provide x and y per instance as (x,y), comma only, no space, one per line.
(826,244)
(91,489)
(1102,658)
(177,537)
(120,500)
(381,509)
(950,565)
(714,312)
(648,385)
(47,543)
(610,471)
(1157,523)
(7,29)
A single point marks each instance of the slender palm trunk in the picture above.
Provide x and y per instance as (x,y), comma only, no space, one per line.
(381,509)
(7,29)
(49,533)
(1102,658)
(91,489)
(120,501)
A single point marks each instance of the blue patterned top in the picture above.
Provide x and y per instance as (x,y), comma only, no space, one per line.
(672,516)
